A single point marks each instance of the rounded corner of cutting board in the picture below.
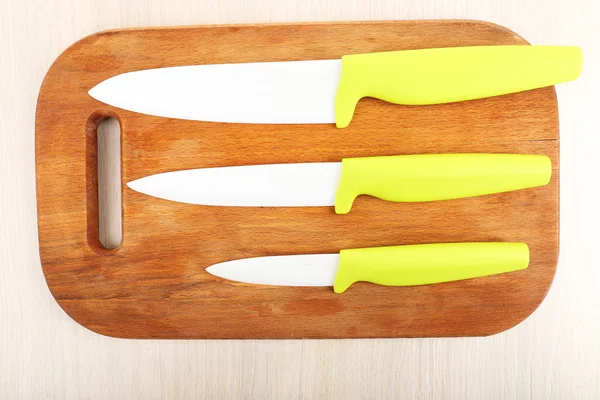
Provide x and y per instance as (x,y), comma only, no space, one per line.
(114,306)
(499,28)
(79,319)
(74,312)
(507,325)
(64,55)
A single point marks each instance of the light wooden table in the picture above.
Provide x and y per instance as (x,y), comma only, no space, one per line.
(44,354)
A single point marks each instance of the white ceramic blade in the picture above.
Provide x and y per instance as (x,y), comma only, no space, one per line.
(268,185)
(300,270)
(291,92)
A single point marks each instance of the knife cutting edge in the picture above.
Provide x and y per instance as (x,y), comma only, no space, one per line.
(327,91)
(408,265)
(404,178)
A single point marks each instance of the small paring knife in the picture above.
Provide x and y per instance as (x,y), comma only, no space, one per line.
(327,91)
(408,178)
(409,265)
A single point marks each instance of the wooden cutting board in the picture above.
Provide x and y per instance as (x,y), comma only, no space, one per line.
(155,285)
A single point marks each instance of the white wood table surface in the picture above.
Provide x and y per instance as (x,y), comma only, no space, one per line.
(554,354)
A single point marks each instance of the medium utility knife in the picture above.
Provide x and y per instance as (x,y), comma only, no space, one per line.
(327,91)
(409,265)
(406,178)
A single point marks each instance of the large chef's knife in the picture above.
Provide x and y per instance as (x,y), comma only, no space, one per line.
(408,178)
(327,91)
(391,266)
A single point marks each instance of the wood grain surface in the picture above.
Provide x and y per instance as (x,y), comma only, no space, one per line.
(44,354)
(154,285)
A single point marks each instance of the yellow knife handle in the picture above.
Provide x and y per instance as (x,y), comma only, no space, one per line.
(430,177)
(445,75)
(428,263)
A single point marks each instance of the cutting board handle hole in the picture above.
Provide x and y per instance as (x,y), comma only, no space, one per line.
(105,220)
